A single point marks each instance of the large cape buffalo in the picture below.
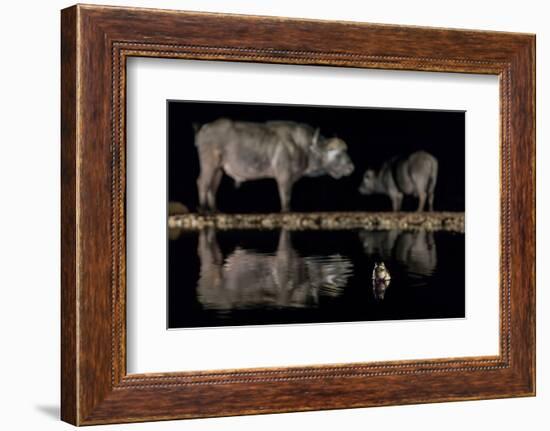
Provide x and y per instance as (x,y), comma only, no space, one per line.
(414,175)
(283,150)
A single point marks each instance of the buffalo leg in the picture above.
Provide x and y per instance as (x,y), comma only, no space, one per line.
(396,201)
(204,184)
(201,188)
(285,188)
(213,189)
(210,165)
(421,201)
(431,201)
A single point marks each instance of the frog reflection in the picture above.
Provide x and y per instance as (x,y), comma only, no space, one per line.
(379,287)
(251,279)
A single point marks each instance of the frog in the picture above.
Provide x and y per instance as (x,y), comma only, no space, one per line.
(381,279)
(380,272)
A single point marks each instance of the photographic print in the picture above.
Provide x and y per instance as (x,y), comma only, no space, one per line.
(293,214)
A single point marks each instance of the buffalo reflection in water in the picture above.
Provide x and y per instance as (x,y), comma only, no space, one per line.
(415,250)
(251,279)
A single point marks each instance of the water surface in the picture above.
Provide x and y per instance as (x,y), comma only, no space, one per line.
(256,277)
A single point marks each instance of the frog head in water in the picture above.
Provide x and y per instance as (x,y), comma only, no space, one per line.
(380,272)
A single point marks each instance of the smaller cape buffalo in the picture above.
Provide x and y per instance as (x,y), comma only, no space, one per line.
(283,150)
(414,175)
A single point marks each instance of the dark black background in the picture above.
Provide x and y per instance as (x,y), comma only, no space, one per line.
(372,135)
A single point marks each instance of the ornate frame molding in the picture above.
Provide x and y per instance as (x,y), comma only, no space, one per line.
(96,41)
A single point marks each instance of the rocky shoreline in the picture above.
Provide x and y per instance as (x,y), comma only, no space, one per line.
(432,221)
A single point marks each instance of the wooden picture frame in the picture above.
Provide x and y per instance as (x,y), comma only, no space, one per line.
(95,43)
